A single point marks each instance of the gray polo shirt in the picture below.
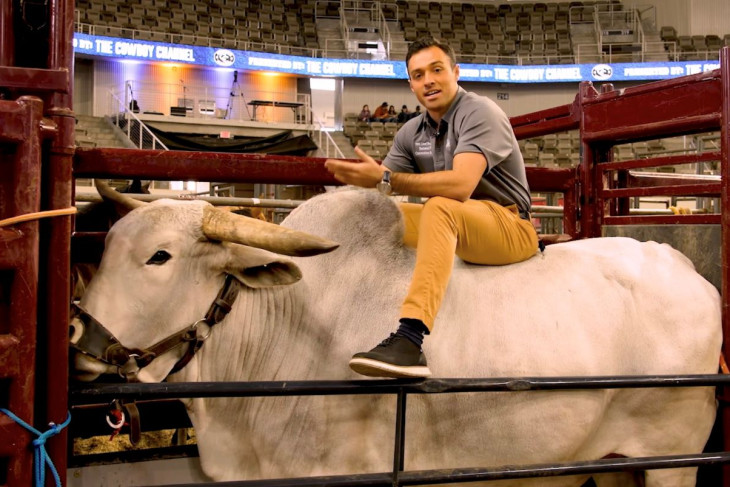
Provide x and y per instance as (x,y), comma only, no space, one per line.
(473,124)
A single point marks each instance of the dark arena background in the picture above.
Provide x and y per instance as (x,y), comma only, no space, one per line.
(621,109)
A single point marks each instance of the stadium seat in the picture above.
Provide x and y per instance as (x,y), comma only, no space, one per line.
(623,152)
(550,143)
(372,135)
(381,146)
(376,127)
(375,154)
(531,152)
(668,34)
(389,130)
(546,159)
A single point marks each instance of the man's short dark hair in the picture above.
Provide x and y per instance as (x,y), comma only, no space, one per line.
(425,43)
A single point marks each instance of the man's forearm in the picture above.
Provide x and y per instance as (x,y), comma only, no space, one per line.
(443,183)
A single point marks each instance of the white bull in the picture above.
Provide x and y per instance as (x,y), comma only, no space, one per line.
(610,306)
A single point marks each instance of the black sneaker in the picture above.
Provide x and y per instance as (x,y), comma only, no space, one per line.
(395,357)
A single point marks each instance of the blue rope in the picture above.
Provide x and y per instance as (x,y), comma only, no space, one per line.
(40,455)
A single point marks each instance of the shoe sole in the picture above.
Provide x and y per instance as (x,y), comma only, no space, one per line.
(373,368)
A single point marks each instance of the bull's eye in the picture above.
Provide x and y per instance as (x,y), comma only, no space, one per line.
(160,257)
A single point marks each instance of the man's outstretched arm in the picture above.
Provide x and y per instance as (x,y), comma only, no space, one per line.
(458,183)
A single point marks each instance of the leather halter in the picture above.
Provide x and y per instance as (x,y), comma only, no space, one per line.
(98,342)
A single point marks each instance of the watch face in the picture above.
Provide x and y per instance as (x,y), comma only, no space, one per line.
(384,188)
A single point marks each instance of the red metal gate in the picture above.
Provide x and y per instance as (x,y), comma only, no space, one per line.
(19,194)
(36,148)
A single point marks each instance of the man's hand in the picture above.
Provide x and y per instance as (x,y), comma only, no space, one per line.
(365,174)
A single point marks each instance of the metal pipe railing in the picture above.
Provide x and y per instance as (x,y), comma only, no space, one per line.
(119,111)
(96,393)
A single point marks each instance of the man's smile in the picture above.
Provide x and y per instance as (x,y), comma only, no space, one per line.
(431,93)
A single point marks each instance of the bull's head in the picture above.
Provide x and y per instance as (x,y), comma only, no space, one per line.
(164,264)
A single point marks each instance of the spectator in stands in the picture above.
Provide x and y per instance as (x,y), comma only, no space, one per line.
(392,115)
(364,114)
(380,113)
(404,114)
(463,155)
(417,111)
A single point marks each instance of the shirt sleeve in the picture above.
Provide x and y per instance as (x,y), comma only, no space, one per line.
(399,158)
(486,130)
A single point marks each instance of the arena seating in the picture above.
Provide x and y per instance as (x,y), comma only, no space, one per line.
(693,48)
(488,33)
(278,26)
(553,150)
(507,33)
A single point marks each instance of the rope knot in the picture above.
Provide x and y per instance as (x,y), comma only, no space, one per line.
(40,456)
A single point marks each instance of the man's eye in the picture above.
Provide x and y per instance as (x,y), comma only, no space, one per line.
(160,257)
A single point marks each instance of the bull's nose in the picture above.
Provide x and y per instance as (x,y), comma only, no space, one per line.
(75,330)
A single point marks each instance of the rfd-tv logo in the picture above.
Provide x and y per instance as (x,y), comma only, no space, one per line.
(602,71)
(224,57)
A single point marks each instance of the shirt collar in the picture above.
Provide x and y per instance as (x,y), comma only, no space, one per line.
(428,121)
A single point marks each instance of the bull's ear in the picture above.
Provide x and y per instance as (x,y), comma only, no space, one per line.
(258,268)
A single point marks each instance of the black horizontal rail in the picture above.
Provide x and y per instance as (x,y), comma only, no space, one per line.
(80,394)
(402,387)
(508,472)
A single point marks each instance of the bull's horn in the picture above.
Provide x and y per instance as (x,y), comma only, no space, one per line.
(229,227)
(123,203)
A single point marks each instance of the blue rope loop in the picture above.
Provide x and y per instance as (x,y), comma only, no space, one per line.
(40,455)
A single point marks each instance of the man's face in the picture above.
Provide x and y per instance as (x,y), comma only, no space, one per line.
(433,80)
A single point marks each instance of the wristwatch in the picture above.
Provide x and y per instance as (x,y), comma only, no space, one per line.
(384,185)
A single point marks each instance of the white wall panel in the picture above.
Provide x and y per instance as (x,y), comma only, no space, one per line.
(674,13)
(521,98)
(710,17)
(83,97)
(694,17)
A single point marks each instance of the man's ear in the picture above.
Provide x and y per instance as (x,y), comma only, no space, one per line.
(258,268)
(456,71)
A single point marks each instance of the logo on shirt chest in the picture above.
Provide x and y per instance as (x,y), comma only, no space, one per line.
(423,148)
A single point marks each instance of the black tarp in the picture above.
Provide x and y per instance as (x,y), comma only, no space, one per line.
(283,143)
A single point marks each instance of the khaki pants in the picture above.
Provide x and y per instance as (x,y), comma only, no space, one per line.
(479,232)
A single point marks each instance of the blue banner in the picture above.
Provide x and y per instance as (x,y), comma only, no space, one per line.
(119,48)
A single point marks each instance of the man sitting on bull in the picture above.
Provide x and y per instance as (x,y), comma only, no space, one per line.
(462,154)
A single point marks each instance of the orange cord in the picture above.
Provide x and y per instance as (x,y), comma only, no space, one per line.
(37,215)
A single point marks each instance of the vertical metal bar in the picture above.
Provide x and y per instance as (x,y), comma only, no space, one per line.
(725,229)
(399,449)
(56,237)
(55,289)
(586,177)
(7,42)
